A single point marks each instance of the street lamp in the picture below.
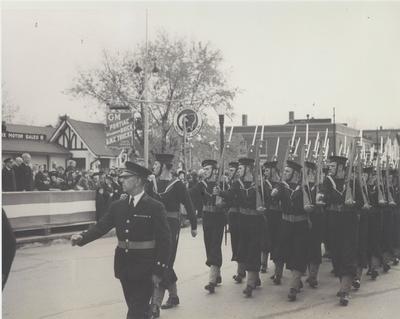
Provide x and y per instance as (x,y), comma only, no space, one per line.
(139,70)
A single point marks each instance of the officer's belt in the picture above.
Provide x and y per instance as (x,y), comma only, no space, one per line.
(233,210)
(294,218)
(249,211)
(173,214)
(150,244)
(336,207)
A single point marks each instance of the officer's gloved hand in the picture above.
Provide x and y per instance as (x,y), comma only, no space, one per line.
(194,232)
(156,280)
(75,239)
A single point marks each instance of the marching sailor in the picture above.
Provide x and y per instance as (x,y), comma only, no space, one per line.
(172,193)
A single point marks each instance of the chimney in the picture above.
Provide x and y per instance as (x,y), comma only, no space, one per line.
(291,117)
(381,128)
(244,119)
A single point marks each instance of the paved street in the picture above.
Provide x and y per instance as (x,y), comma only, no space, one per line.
(59,282)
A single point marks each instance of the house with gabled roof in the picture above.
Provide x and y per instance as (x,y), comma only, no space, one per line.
(86,143)
(18,139)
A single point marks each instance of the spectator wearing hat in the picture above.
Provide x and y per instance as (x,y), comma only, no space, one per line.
(144,240)
(8,175)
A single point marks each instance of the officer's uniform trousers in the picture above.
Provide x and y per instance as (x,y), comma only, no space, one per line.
(137,295)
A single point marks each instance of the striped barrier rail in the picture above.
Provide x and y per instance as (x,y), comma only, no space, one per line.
(49,209)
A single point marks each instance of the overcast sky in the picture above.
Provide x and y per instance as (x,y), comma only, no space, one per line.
(306,57)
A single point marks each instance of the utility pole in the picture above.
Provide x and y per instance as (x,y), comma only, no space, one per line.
(145,104)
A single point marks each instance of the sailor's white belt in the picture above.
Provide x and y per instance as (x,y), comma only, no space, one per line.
(249,211)
(233,210)
(336,207)
(294,218)
(210,208)
(150,244)
(173,214)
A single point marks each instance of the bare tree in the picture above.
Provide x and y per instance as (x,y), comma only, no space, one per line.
(189,74)
(9,110)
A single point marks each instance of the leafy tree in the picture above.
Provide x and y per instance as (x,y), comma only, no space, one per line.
(189,74)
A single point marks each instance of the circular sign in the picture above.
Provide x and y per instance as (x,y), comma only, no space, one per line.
(189,119)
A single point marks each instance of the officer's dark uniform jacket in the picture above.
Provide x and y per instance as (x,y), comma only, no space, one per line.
(143,234)
(9,246)
(292,243)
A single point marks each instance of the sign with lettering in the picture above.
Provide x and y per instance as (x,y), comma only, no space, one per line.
(24,136)
(119,129)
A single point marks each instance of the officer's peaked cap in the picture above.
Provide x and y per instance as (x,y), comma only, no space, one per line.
(132,168)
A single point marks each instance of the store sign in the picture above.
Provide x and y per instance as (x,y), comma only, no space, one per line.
(119,129)
(24,136)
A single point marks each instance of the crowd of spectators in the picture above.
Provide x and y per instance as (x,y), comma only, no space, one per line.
(20,175)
